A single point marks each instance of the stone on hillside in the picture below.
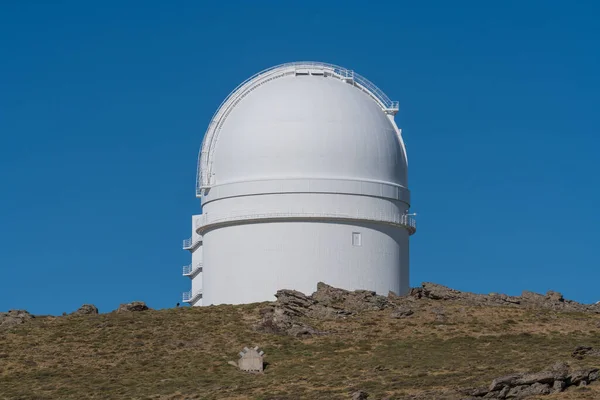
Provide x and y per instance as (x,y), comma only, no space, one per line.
(356,301)
(541,377)
(558,386)
(401,312)
(551,300)
(329,295)
(523,385)
(476,392)
(285,316)
(506,380)
(554,296)
(503,298)
(360,395)
(281,321)
(13,318)
(532,296)
(297,303)
(581,352)
(132,307)
(393,296)
(86,309)
(582,375)
(439,292)
(529,390)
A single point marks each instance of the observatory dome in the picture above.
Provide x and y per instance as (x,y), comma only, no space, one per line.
(304,126)
(302,175)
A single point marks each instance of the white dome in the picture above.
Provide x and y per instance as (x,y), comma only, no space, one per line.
(308,126)
(302,178)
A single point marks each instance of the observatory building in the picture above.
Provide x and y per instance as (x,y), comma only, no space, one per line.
(302,177)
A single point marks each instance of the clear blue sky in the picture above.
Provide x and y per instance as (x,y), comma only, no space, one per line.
(103,107)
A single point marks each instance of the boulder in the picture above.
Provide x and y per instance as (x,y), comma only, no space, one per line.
(134,306)
(522,385)
(356,301)
(493,395)
(360,395)
(554,296)
(86,309)
(300,305)
(401,312)
(523,391)
(561,367)
(558,386)
(476,392)
(502,298)
(533,297)
(280,321)
(288,315)
(581,352)
(541,377)
(13,318)
(506,380)
(582,375)
(438,292)
(295,302)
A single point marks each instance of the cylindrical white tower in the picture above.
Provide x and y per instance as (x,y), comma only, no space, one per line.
(303,178)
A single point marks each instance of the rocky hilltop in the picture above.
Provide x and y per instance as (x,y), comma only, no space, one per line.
(434,343)
(329,302)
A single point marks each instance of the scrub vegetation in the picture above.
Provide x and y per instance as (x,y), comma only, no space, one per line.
(183,353)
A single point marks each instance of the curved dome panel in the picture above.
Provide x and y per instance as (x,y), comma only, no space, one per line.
(308,126)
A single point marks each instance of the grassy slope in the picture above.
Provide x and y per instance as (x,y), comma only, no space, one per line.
(183,353)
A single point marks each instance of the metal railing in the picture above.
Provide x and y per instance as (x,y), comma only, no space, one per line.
(188,297)
(190,243)
(203,176)
(189,270)
(404,220)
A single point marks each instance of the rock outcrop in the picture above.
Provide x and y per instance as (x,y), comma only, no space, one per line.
(355,301)
(279,321)
(132,307)
(13,318)
(551,300)
(284,316)
(290,313)
(293,310)
(582,352)
(86,309)
(522,385)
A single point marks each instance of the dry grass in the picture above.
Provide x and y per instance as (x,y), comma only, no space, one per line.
(183,353)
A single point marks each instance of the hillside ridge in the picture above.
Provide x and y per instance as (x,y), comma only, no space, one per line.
(433,343)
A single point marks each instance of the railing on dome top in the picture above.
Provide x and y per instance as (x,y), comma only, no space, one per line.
(203,170)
